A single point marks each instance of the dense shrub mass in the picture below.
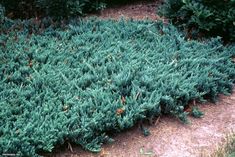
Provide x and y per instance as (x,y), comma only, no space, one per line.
(209,17)
(100,76)
(57,8)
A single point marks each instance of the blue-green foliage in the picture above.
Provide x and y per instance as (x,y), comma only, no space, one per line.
(98,76)
(196,112)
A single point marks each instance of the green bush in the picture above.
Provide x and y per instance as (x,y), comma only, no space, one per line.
(69,7)
(202,17)
(33,8)
(79,83)
(2,18)
(2,13)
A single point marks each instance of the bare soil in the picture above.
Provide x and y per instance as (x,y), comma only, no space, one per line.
(169,137)
(139,10)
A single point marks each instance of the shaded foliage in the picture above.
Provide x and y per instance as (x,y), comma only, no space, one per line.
(56,8)
(202,17)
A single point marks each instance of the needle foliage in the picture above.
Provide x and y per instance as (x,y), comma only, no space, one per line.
(95,76)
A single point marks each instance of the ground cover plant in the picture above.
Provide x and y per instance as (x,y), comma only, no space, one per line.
(79,82)
(202,17)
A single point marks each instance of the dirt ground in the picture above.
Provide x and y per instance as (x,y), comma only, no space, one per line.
(169,137)
(138,10)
